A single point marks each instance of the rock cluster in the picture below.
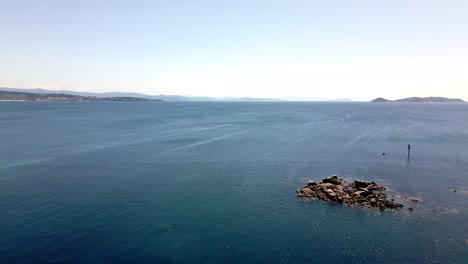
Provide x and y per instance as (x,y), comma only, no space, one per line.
(362,193)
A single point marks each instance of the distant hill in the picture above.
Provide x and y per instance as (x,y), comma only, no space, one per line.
(22,96)
(178,98)
(86,94)
(420,100)
(380,100)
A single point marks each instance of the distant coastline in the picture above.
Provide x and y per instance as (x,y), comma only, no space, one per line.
(174,98)
(419,100)
(9,96)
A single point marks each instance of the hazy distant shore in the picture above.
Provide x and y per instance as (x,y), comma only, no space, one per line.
(419,100)
(11,96)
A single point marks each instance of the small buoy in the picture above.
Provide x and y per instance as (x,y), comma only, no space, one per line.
(383,153)
(454,190)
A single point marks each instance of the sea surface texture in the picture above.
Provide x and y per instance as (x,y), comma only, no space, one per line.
(212,182)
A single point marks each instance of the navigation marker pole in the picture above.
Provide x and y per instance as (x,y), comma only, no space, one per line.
(409,149)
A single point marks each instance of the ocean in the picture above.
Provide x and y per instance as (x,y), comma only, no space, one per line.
(214,182)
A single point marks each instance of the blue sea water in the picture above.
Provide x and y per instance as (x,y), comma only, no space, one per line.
(212,182)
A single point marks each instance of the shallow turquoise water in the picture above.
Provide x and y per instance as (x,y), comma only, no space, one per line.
(165,182)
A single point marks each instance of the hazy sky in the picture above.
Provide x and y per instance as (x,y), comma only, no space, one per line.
(330,48)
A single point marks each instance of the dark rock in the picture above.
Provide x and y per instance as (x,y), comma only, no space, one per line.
(360,184)
(393,205)
(411,209)
(311,183)
(333,180)
(414,200)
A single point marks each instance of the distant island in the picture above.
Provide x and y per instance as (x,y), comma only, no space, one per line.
(420,100)
(332,190)
(22,96)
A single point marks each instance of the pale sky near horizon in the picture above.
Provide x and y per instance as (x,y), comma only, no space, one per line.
(331,48)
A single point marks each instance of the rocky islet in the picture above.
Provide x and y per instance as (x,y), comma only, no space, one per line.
(332,189)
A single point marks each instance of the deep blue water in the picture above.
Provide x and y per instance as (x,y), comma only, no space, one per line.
(164,182)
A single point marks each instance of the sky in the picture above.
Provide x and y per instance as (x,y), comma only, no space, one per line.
(359,49)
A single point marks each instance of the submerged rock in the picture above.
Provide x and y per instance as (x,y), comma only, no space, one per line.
(362,193)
